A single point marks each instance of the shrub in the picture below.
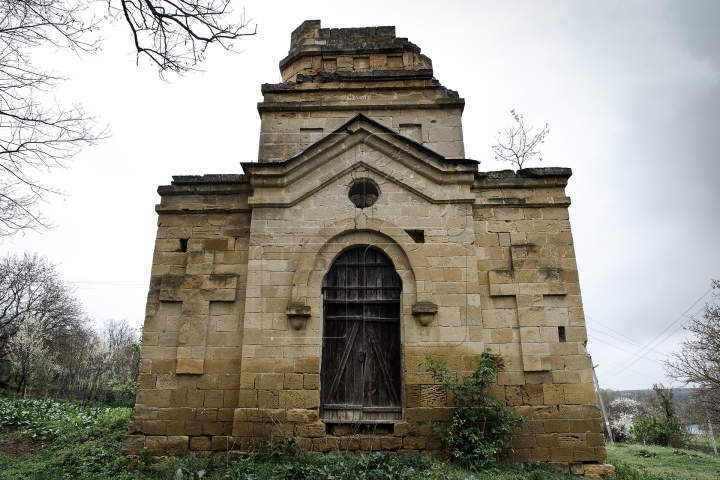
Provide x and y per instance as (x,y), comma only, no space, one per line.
(657,430)
(479,427)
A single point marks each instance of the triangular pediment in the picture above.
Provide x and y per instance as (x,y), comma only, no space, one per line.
(362,143)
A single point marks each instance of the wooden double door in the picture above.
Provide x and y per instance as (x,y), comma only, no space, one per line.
(361,351)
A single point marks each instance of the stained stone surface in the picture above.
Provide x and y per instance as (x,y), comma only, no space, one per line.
(234,322)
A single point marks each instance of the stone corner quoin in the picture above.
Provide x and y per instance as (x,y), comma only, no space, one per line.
(299,298)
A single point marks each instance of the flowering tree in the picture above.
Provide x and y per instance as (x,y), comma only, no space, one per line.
(29,354)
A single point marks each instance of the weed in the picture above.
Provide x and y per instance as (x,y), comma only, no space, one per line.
(479,425)
(646,454)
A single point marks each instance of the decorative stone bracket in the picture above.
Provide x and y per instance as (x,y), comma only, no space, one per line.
(298,314)
(425,312)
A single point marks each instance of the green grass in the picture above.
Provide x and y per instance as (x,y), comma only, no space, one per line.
(41,439)
(639,462)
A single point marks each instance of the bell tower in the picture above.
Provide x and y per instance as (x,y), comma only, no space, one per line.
(331,74)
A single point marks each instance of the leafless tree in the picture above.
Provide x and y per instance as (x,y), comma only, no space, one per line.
(31,287)
(515,145)
(174,34)
(39,134)
(36,133)
(698,362)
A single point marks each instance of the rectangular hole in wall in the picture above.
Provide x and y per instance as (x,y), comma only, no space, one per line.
(418,236)
(183,244)
(561,334)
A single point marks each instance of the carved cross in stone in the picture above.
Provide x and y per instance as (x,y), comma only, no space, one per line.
(195,292)
(531,278)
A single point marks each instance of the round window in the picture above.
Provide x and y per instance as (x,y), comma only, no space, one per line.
(363,193)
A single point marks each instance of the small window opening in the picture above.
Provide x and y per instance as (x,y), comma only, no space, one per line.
(561,334)
(183,244)
(363,193)
(418,236)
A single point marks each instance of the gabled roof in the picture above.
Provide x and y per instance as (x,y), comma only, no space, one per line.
(289,181)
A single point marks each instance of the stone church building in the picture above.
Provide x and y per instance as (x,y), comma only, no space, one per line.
(299,298)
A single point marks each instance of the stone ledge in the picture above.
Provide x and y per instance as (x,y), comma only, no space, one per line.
(535,177)
(320,106)
(202,208)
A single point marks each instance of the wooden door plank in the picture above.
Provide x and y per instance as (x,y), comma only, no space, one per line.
(383,367)
(344,360)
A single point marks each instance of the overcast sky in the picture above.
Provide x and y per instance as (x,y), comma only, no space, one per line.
(631,90)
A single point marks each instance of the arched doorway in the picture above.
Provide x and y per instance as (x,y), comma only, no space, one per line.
(361,356)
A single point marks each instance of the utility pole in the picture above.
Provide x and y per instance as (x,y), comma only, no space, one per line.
(712,436)
(602,404)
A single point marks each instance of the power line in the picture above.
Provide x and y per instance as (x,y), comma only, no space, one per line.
(633,343)
(647,346)
(605,326)
(637,377)
(621,349)
(653,349)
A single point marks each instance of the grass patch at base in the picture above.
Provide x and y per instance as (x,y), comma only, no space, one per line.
(42,439)
(640,462)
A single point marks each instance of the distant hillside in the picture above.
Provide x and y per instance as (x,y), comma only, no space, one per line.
(681,394)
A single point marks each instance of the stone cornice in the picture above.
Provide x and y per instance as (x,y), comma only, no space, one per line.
(317,106)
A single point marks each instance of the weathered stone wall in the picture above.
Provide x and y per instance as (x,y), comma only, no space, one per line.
(315,50)
(299,227)
(330,75)
(192,338)
(234,326)
(533,315)
(285,134)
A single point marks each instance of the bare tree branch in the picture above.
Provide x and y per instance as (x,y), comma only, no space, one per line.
(174,34)
(514,144)
(698,362)
(39,134)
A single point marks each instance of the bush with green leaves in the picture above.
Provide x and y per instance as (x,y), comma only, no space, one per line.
(657,429)
(480,425)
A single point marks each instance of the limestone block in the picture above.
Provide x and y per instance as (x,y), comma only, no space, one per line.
(154,427)
(311,381)
(310,430)
(193,366)
(511,378)
(200,443)
(345,62)
(302,415)
(299,399)
(553,394)
(156,444)
(307,365)
(536,363)
(325,444)
(132,444)
(212,428)
(177,445)
(579,394)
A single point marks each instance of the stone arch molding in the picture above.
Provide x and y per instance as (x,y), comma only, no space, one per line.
(318,254)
